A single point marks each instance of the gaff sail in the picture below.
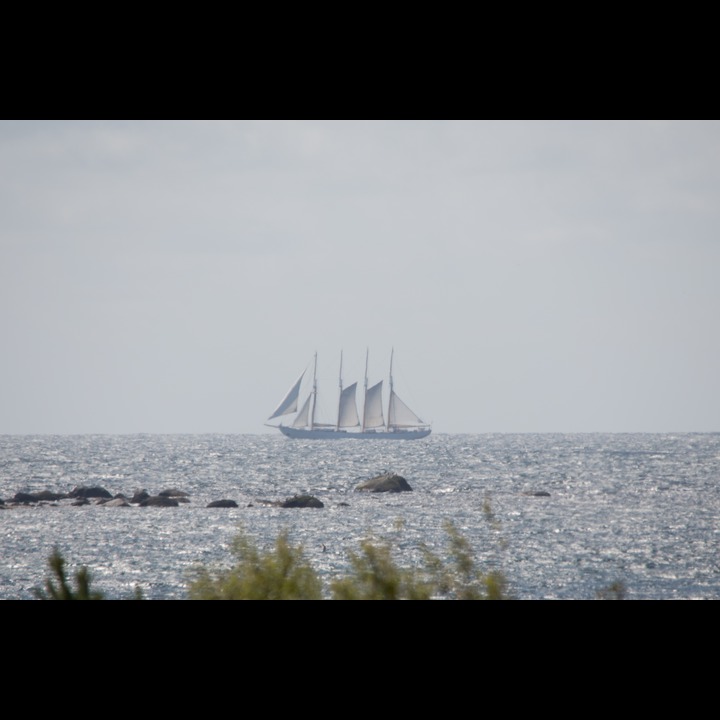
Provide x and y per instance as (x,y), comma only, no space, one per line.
(373,413)
(348,414)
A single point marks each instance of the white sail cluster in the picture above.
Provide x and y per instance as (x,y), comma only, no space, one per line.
(401,420)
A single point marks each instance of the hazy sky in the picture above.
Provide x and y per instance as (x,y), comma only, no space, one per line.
(176,277)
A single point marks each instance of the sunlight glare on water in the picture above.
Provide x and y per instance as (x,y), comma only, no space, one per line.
(562,516)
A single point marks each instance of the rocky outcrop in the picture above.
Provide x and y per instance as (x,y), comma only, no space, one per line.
(89,492)
(388,482)
(25,498)
(297,501)
(174,493)
(222,504)
(42,496)
(159,501)
(82,495)
(116,502)
(302,501)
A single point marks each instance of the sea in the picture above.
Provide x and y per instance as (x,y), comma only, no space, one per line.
(561,516)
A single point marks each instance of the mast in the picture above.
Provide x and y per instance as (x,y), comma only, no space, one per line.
(390,395)
(367,352)
(337,424)
(314,394)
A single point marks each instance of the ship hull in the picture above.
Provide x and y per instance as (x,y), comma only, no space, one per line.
(330,434)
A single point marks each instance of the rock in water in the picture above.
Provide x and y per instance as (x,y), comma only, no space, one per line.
(389,482)
(302,501)
(222,504)
(116,502)
(81,491)
(159,501)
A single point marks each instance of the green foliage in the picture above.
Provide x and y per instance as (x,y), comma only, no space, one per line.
(280,574)
(63,591)
(460,578)
(376,577)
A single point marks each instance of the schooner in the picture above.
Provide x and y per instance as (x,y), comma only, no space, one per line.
(401,423)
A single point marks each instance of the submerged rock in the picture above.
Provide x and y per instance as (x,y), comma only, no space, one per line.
(389,482)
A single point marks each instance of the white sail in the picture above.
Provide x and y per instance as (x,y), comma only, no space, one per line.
(400,415)
(402,423)
(348,414)
(303,417)
(373,412)
(289,403)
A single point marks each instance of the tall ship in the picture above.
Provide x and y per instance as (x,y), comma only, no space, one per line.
(401,423)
